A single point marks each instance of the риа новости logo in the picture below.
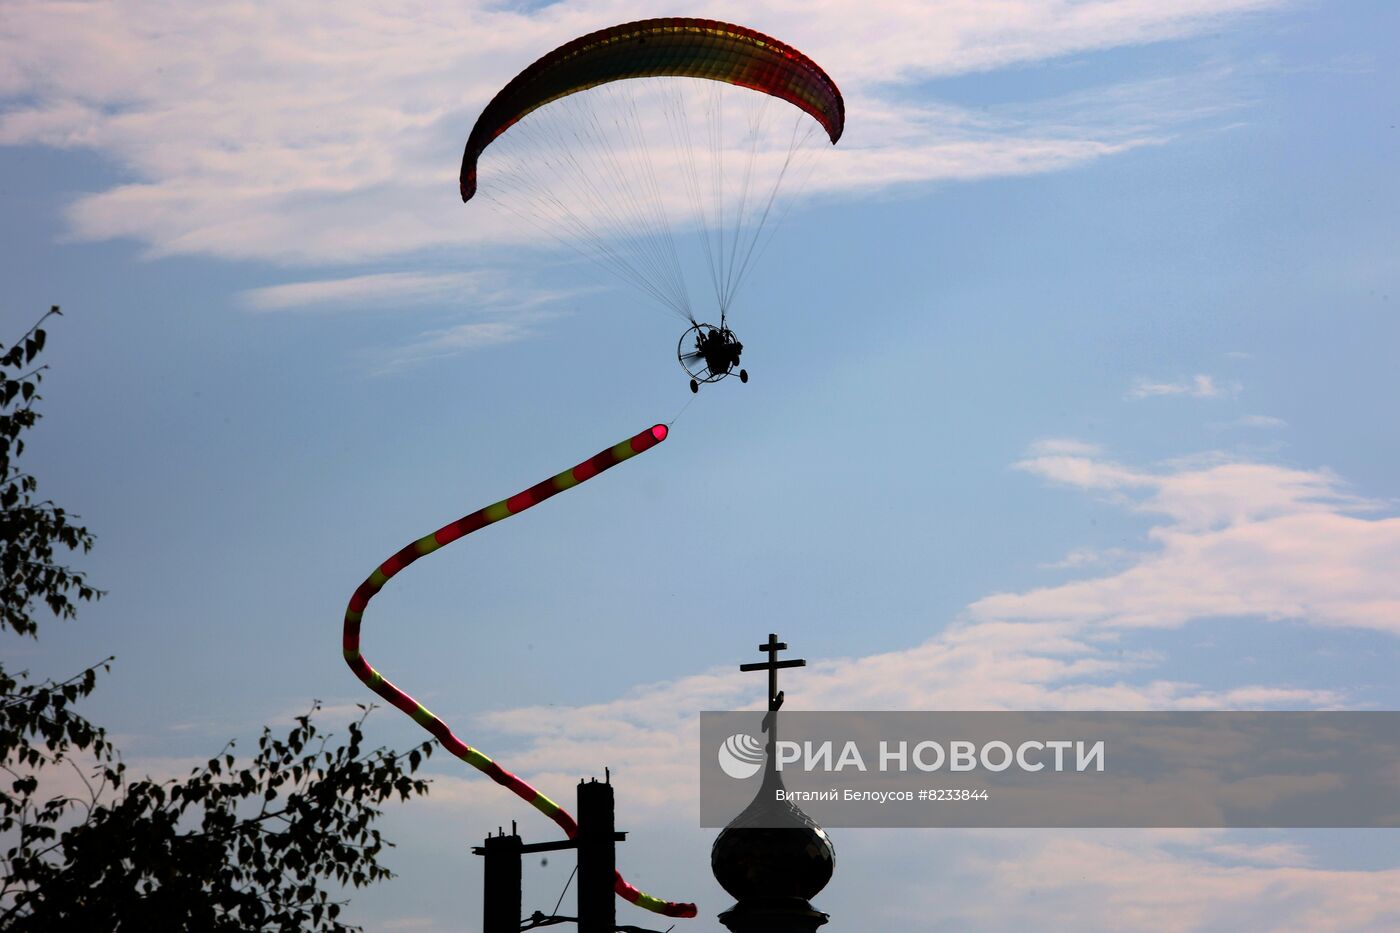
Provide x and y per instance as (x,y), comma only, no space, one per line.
(741,756)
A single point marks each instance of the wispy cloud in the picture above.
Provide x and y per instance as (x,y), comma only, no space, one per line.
(1267,422)
(1063,446)
(1268,853)
(511,312)
(453,341)
(337,141)
(1082,557)
(1199,386)
(1242,540)
(361,291)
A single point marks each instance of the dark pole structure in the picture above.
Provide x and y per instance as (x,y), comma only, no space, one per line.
(501,891)
(596,844)
(772,857)
(597,857)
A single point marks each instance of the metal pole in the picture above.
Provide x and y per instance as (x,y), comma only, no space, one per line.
(597,858)
(501,897)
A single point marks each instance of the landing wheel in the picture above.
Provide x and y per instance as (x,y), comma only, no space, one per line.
(743,375)
(694,386)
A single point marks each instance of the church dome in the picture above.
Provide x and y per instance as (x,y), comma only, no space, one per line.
(772,849)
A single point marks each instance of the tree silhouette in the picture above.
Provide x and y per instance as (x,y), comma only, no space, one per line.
(237,845)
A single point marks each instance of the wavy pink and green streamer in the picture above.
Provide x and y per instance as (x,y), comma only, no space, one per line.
(604,460)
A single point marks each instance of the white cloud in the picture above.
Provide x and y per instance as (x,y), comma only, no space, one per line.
(1088,557)
(516,310)
(1212,491)
(513,312)
(1269,853)
(1199,386)
(1242,539)
(1051,446)
(322,132)
(1083,471)
(1261,421)
(365,291)
(453,341)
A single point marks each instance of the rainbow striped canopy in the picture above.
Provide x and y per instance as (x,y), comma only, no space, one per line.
(666,47)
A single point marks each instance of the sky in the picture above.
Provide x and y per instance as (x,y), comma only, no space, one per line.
(1073,379)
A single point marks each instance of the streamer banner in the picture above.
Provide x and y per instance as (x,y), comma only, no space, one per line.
(453,531)
(1227,770)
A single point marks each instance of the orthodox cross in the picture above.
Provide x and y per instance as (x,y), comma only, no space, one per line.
(775,696)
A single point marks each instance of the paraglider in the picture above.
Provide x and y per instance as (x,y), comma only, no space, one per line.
(620,143)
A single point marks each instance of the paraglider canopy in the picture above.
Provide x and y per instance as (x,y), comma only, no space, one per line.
(678,47)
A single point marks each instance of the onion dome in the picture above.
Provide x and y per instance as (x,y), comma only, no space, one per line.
(772,849)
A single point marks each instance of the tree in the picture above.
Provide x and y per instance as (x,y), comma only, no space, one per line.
(236,845)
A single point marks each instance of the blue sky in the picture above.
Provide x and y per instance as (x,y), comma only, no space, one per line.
(1073,388)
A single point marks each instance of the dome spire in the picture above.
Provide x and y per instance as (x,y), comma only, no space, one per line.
(772,857)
